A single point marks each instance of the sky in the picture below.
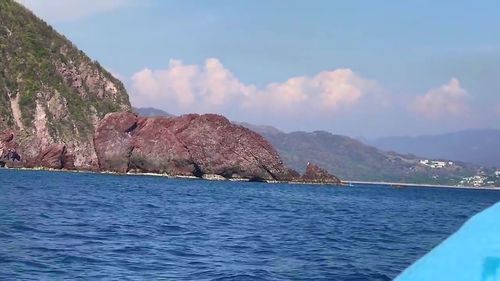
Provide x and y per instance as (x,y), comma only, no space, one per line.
(359,68)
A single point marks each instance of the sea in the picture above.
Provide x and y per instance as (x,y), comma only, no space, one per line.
(85,226)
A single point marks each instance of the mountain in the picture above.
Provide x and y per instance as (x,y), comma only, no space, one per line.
(52,95)
(151,112)
(59,109)
(351,159)
(262,129)
(480,146)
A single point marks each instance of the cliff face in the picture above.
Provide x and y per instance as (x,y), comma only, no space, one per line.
(189,145)
(52,95)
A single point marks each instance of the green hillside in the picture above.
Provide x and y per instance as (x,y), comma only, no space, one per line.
(50,92)
(350,159)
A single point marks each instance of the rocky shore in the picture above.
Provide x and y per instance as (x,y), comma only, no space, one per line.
(202,146)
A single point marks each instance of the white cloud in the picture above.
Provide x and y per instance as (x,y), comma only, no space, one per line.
(69,10)
(213,88)
(448,99)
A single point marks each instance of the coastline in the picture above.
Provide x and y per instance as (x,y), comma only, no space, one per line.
(209,177)
(406,185)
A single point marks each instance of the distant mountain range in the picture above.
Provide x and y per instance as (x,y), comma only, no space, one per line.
(480,146)
(351,159)
(151,112)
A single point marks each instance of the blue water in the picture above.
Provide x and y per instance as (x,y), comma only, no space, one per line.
(85,226)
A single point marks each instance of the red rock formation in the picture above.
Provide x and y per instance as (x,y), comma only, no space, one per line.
(113,141)
(53,157)
(315,174)
(157,149)
(8,149)
(190,145)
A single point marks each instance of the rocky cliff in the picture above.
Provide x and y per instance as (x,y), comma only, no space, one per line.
(52,95)
(189,145)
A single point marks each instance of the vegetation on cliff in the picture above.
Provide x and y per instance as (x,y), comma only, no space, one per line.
(51,92)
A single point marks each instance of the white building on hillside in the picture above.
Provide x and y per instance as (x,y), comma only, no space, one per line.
(435,164)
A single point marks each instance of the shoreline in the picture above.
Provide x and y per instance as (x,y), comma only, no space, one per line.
(406,185)
(206,177)
(209,177)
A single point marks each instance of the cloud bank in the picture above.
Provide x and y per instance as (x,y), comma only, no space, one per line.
(447,100)
(213,88)
(339,99)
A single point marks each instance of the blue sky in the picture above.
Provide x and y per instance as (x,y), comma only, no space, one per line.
(361,68)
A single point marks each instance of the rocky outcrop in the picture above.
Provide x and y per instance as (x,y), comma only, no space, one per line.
(206,146)
(189,145)
(113,141)
(315,174)
(55,157)
(8,149)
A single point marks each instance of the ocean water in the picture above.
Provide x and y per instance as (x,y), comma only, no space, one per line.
(57,225)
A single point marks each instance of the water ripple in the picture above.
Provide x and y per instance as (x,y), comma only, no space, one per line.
(56,226)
